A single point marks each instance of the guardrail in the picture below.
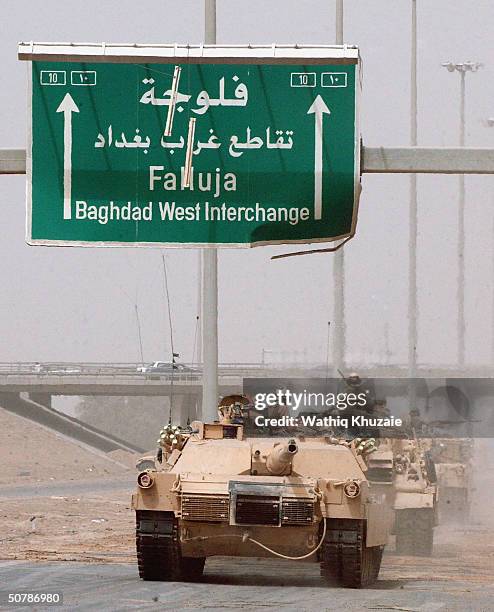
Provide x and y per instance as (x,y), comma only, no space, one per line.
(74,368)
(226,370)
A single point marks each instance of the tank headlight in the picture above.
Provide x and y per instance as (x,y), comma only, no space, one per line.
(145,480)
(351,489)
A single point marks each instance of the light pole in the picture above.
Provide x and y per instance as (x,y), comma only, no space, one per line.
(412,220)
(492,307)
(339,256)
(462,69)
(490,123)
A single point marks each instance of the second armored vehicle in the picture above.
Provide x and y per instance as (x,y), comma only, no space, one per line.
(453,459)
(403,471)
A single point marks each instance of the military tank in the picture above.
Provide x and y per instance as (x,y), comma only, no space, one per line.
(403,471)
(453,459)
(218,492)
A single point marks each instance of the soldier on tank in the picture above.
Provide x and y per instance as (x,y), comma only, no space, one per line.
(367,405)
(355,385)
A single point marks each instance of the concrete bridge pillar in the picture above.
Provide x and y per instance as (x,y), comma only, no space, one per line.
(41,398)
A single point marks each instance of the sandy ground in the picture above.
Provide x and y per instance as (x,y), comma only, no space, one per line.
(86,527)
(100,528)
(44,524)
(29,454)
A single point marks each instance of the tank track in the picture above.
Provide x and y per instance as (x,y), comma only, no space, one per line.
(415,532)
(158,549)
(345,560)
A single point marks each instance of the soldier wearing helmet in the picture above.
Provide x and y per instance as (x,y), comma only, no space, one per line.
(354,384)
(353,380)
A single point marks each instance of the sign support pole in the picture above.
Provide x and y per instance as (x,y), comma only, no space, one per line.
(210,284)
(413,223)
(199,309)
(339,256)
(339,22)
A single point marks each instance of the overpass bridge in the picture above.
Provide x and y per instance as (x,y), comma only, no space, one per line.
(26,389)
(42,381)
(38,383)
(124,379)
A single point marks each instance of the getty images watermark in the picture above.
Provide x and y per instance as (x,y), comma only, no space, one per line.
(335,404)
(357,405)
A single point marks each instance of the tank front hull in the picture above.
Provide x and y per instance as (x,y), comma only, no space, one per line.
(207,540)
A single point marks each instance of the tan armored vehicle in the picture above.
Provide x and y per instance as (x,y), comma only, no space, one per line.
(403,472)
(453,459)
(217,492)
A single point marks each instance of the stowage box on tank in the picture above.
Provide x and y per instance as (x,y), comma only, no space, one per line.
(219,493)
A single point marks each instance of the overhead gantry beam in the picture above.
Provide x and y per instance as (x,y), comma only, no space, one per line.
(375,160)
(427,160)
(12,161)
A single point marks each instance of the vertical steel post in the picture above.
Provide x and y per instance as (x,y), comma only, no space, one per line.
(210,284)
(339,22)
(339,256)
(461,235)
(210,22)
(492,304)
(412,221)
(199,308)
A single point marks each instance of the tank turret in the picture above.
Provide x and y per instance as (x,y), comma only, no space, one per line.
(279,460)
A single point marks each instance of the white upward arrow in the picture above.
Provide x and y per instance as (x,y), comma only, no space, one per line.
(318,107)
(67,107)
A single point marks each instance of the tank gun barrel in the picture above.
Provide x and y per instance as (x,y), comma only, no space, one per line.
(281,456)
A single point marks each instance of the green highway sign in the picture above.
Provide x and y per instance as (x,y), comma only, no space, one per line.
(192,146)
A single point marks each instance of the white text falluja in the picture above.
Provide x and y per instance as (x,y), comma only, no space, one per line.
(203,100)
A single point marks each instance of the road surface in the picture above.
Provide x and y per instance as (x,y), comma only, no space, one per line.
(76,487)
(243,585)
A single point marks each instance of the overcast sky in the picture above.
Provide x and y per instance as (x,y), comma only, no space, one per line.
(79,304)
